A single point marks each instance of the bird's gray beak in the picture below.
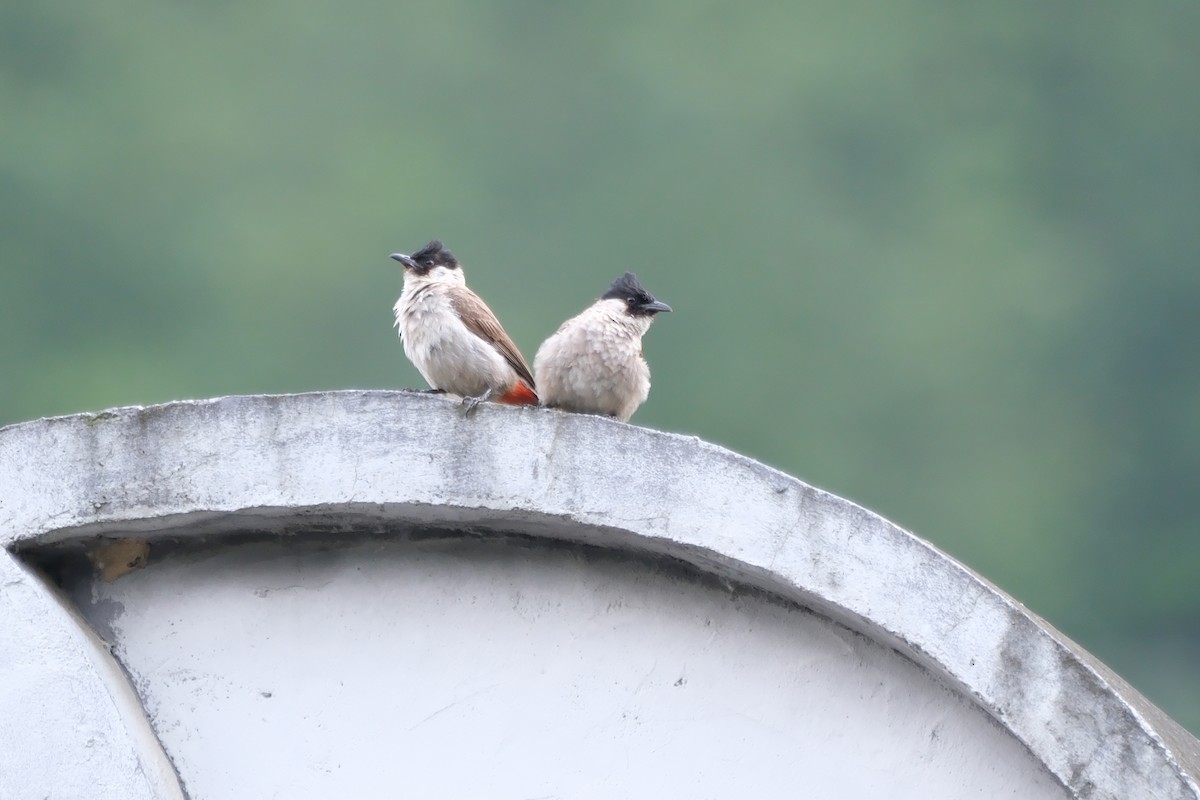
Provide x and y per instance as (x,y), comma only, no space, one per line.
(405,260)
(656,306)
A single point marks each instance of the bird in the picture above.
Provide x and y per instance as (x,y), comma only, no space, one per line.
(453,338)
(593,364)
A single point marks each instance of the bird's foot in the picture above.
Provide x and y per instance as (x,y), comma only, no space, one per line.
(433,391)
(469,404)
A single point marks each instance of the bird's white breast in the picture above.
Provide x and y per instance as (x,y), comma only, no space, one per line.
(446,353)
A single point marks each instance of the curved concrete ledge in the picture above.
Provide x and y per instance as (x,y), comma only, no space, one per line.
(353,460)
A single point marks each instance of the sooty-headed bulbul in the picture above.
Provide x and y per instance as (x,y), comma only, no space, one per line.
(594,363)
(453,338)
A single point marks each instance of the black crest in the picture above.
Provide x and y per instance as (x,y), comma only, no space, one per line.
(433,255)
(627,287)
(638,301)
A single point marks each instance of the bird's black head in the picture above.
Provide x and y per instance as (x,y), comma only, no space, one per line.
(430,256)
(638,302)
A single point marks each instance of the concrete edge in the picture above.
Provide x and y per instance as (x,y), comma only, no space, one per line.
(67,477)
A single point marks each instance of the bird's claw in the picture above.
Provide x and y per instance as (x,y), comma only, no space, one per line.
(470,404)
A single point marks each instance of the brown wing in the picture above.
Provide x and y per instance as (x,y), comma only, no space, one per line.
(480,321)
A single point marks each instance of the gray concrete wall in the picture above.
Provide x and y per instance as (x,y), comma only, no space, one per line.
(364,593)
(447,667)
(71,726)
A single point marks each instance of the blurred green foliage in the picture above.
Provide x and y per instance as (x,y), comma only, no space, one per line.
(940,258)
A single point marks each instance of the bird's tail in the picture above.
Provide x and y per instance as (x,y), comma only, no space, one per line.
(520,395)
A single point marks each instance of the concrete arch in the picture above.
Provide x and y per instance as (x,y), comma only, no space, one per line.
(343,462)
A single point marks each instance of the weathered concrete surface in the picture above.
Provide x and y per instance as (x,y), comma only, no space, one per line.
(342,463)
(70,724)
(466,667)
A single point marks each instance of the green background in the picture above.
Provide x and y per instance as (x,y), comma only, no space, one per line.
(940,258)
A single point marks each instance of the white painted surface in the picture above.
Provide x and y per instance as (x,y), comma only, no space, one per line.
(70,725)
(456,668)
(339,464)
